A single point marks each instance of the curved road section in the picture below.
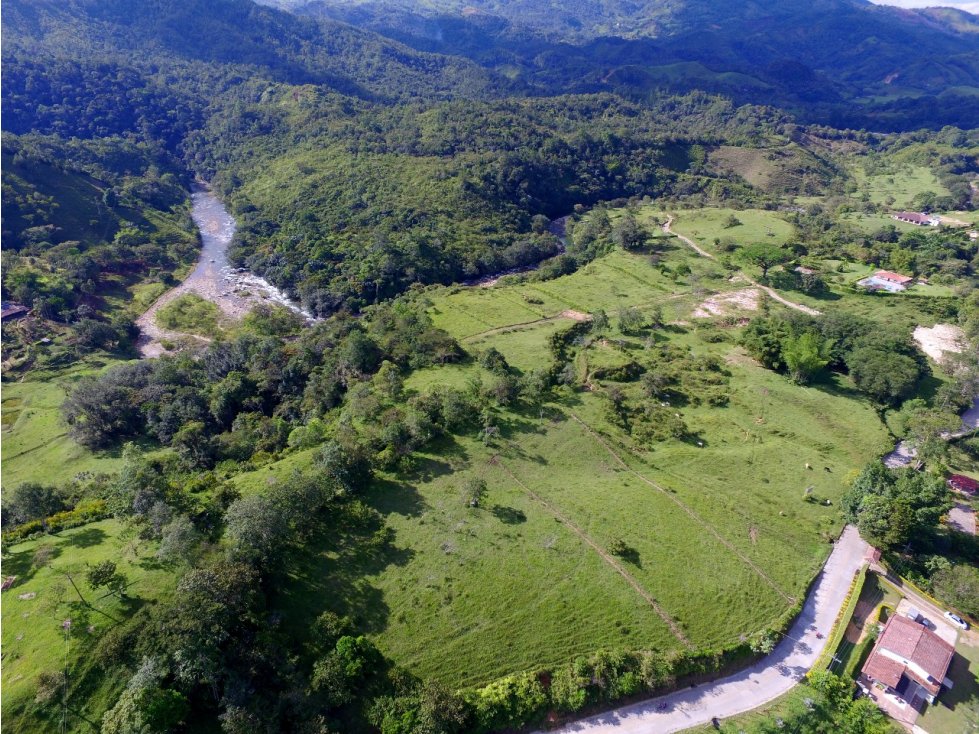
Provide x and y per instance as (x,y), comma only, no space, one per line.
(763,681)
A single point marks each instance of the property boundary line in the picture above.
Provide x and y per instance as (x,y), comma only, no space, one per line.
(724,541)
(605,555)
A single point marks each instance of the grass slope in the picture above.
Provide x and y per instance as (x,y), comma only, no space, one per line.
(719,535)
(34,640)
(36,445)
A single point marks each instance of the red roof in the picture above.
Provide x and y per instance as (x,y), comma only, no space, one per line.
(914,217)
(962,483)
(907,648)
(893,277)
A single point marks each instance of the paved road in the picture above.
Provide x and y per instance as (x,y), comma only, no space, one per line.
(757,685)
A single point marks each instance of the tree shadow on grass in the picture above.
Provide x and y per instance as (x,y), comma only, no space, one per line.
(22,566)
(509,515)
(396,498)
(85,538)
(332,572)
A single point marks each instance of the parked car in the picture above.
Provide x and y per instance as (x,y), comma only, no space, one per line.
(957,620)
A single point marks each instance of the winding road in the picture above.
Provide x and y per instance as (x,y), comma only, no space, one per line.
(757,685)
(773,294)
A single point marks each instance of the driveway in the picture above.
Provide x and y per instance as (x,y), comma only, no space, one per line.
(963,518)
(762,682)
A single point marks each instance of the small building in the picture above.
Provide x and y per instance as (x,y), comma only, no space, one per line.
(885,280)
(963,484)
(918,219)
(9,310)
(909,661)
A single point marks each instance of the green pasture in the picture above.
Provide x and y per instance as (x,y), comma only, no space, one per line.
(36,607)
(719,535)
(954,711)
(705,225)
(36,445)
(902,182)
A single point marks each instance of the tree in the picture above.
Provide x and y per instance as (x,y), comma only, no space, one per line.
(194,445)
(441,711)
(630,320)
(731,221)
(211,606)
(473,491)
(764,255)
(254,529)
(494,361)
(348,465)
(891,508)
(887,377)
(804,356)
(959,585)
(628,233)
(927,430)
(389,381)
(144,706)
(102,410)
(32,501)
(105,575)
(178,540)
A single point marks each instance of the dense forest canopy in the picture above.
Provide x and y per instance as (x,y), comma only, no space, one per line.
(817,59)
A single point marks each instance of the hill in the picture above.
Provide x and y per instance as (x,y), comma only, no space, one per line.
(815,57)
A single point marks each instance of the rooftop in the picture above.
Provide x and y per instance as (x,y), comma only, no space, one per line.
(907,648)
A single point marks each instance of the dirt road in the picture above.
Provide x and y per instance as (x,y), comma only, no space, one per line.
(757,685)
(773,294)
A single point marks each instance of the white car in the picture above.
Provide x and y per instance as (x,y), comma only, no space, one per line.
(957,620)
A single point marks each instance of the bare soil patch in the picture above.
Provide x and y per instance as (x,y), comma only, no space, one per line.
(724,304)
(939,339)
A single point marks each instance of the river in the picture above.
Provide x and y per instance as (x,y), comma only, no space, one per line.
(234,290)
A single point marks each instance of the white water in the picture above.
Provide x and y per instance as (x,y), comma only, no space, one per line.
(235,290)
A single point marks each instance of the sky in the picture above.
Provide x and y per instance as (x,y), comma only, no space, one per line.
(971,6)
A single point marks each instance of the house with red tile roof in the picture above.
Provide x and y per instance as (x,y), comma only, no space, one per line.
(886,280)
(909,660)
(919,219)
(962,484)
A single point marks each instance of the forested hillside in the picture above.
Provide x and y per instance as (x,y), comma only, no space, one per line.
(841,62)
(85,222)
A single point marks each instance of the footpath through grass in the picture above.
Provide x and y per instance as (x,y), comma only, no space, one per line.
(718,535)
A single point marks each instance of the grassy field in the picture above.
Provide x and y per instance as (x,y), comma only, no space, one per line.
(957,711)
(190,314)
(35,608)
(705,225)
(902,183)
(720,540)
(36,445)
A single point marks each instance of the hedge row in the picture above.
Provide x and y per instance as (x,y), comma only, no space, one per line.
(524,699)
(843,619)
(84,512)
